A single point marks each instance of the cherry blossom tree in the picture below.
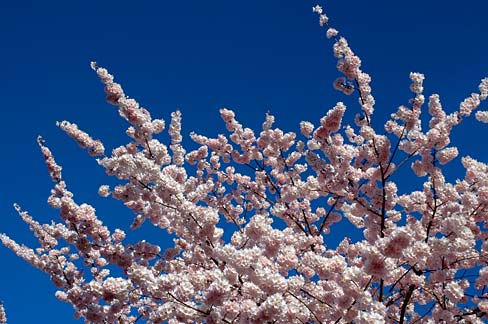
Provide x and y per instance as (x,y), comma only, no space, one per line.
(422,257)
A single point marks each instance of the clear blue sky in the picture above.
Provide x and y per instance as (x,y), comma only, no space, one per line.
(251,56)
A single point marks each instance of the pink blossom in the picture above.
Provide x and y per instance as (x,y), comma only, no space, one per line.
(95,147)
(469,104)
(251,214)
(53,168)
(417,79)
(306,128)
(323,19)
(482,116)
(332,32)
(398,242)
(3,315)
(483,89)
(318,9)
(104,191)
(331,122)
(446,155)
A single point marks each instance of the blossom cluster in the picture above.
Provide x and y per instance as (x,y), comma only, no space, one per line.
(415,261)
(3,315)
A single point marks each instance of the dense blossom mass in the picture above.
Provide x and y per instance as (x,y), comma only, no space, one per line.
(423,256)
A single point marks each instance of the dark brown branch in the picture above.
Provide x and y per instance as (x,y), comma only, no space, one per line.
(189,306)
(409,294)
(304,304)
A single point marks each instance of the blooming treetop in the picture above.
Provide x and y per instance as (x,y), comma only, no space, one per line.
(423,257)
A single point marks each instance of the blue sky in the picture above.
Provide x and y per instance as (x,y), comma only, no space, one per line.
(200,56)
